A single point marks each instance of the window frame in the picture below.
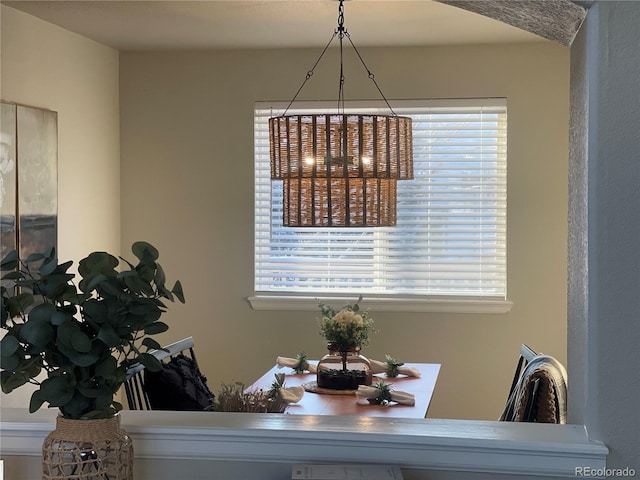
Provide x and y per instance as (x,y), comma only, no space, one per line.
(268,300)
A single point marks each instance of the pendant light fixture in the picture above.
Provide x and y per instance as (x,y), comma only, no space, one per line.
(340,169)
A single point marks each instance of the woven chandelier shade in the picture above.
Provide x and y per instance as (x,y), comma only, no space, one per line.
(340,170)
(339,202)
(312,146)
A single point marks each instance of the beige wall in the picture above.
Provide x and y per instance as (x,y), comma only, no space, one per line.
(187,186)
(48,67)
(45,66)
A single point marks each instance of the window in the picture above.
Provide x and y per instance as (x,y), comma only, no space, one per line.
(450,240)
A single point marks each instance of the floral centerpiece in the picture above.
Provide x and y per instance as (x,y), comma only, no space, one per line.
(347,330)
(347,327)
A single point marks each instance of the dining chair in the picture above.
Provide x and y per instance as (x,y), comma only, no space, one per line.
(538,391)
(168,389)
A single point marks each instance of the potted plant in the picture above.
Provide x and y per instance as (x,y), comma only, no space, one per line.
(346,330)
(82,338)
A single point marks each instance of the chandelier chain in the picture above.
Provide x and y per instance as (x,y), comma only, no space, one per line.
(341,32)
(371,76)
(309,74)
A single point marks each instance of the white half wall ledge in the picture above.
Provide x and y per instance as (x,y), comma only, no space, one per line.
(388,304)
(432,444)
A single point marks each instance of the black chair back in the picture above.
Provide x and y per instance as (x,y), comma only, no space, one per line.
(134,386)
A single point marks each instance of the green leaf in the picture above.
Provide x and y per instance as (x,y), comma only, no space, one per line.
(19,304)
(36,401)
(104,400)
(111,287)
(145,251)
(108,336)
(94,392)
(160,278)
(150,362)
(72,296)
(11,380)
(42,313)
(66,331)
(66,334)
(96,310)
(77,407)
(15,275)
(10,261)
(95,281)
(141,306)
(48,266)
(9,345)
(147,271)
(151,344)
(81,342)
(34,257)
(37,331)
(97,263)
(131,265)
(106,368)
(99,413)
(54,286)
(60,317)
(32,367)
(127,273)
(165,293)
(137,285)
(11,363)
(80,359)
(63,267)
(177,291)
(155,328)
(57,390)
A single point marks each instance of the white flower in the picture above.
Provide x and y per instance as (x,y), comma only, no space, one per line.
(347,316)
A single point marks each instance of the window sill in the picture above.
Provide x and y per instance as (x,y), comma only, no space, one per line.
(386,304)
(432,444)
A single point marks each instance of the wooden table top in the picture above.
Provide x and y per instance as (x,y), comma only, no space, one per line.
(338,404)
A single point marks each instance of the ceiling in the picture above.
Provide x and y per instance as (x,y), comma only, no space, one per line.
(178,25)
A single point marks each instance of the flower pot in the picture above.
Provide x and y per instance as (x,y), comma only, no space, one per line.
(87,450)
(343,368)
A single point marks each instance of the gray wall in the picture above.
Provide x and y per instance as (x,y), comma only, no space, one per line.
(604,225)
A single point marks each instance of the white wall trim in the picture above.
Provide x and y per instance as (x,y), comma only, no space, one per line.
(385,304)
(474,446)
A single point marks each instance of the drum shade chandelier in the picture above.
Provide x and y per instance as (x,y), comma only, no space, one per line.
(340,170)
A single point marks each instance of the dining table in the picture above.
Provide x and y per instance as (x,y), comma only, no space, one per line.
(322,402)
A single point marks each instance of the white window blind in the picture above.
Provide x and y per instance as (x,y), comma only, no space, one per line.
(450,238)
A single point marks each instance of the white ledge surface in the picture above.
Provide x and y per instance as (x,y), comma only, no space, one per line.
(475,446)
(386,304)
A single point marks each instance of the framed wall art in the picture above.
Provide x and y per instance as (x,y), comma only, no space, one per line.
(28,179)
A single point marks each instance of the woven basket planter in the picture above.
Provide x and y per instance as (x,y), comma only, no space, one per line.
(87,450)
